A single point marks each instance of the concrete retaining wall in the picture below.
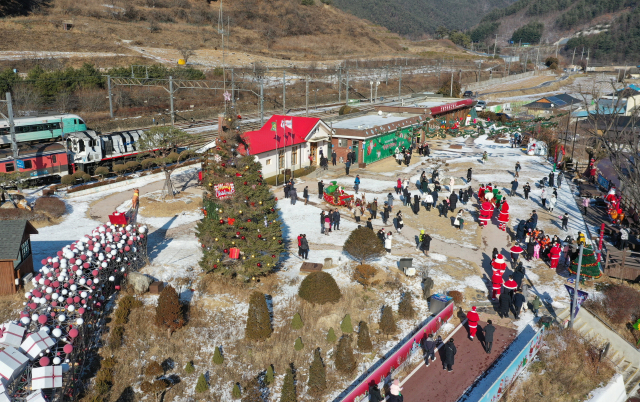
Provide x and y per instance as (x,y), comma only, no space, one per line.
(477,85)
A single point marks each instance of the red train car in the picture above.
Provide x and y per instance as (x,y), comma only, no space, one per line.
(43,162)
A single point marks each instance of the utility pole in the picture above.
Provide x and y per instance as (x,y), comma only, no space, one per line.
(495,44)
(386,82)
(556,50)
(339,84)
(582,55)
(284,92)
(538,58)
(306,96)
(12,126)
(451,92)
(261,102)
(587,65)
(347,89)
(110,96)
(400,84)
(575,291)
(233,91)
(526,60)
(574,55)
(173,114)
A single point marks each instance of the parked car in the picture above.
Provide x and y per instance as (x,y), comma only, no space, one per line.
(506,116)
(481,106)
(467,94)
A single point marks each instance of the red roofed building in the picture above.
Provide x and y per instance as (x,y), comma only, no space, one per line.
(288,142)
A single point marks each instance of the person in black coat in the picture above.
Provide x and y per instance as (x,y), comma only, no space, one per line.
(519,274)
(450,351)
(468,175)
(320,190)
(304,247)
(504,305)
(374,393)
(322,216)
(333,157)
(453,200)
(336,220)
(488,330)
(526,189)
(305,194)
(534,219)
(429,346)
(464,197)
(520,230)
(416,204)
(518,301)
(369,224)
(551,176)
(287,188)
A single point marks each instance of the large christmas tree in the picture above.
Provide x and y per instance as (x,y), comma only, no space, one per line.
(590,267)
(240,234)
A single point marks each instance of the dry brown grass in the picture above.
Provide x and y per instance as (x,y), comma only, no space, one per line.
(567,370)
(549,88)
(10,306)
(152,207)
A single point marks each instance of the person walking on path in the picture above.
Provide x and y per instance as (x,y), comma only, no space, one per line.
(624,237)
(517,169)
(459,221)
(518,302)
(489,329)
(357,213)
(386,212)
(287,189)
(336,219)
(565,221)
(485,157)
(585,204)
(294,195)
(334,156)
(429,346)
(369,224)
(449,355)
(305,195)
(398,187)
(559,180)
(387,242)
(406,196)
(374,393)
(469,175)
(551,176)
(535,305)
(526,189)
(543,198)
(322,216)
(424,242)
(552,203)
(534,219)
(300,245)
(356,183)
(320,189)
(390,199)
(347,165)
(472,321)
(304,247)
(428,200)
(514,187)
(416,203)
(374,208)
(394,390)
(453,201)
(399,222)
(504,303)
(327,225)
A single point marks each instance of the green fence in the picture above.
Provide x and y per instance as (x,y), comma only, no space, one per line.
(385,145)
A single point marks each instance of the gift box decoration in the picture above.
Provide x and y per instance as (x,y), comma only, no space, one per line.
(37,396)
(234,253)
(36,343)
(12,362)
(46,377)
(11,335)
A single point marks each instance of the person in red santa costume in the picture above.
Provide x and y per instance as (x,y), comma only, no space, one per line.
(472,320)
(554,254)
(496,281)
(481,193)
(499,265)
(486,211)
(511,285)
(503,218)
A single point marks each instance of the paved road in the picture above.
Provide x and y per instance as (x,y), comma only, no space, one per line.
(544,84)
(433,383)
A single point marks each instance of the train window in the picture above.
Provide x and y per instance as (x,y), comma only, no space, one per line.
(4,131)
(40,127)
(9,167)
(28,165)
(75,121)
(80,121)
(81,145)
(54,159)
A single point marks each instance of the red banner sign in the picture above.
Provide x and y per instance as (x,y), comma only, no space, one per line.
(224,190)
(451,106)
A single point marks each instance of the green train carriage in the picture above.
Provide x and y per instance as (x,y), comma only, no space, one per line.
(40,129)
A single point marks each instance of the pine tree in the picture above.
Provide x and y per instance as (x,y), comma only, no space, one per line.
(288,388)
(217,356)
(237,220)
(258,319)
(331,336)
(235,393)
(298,345)
(364,340)
(169,311)
(296,322)
(189,369)
(405,307)
(269,377)
(319,288)
(590,267)
(252,392)
(387,322)
(345,361)
(317,375)
(202,385)
(345,325)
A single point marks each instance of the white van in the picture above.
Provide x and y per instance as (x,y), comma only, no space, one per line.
(481,106)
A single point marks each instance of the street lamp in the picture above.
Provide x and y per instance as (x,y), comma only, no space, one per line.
(317,98)
(376,97)
(371,92)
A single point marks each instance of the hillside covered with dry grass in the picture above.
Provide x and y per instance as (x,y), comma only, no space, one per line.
(281,28)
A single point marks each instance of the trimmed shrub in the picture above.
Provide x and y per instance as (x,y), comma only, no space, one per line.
(345,326)
(258,320)
(364,273)
(345,361)
(387,321)
(68,180)
(189,369)
(270,376)
(217,356)
(149,162)
(288,388)
(331,336)
(363,245)
(132,166)
(86,177)
(154,369)
(172,157)
(115,339)
(119,169)
(52,206)
(169,310)
(317,375)
(235,393)
(298,345)
(296,322)
(364,340)
(202,385)
(319,288)
(405,307)
(101,171)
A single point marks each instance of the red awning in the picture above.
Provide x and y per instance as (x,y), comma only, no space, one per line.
(451,106)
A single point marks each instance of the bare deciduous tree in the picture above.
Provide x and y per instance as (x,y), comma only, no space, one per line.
(186,52)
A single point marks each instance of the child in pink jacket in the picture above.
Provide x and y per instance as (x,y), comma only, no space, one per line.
(536,251)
